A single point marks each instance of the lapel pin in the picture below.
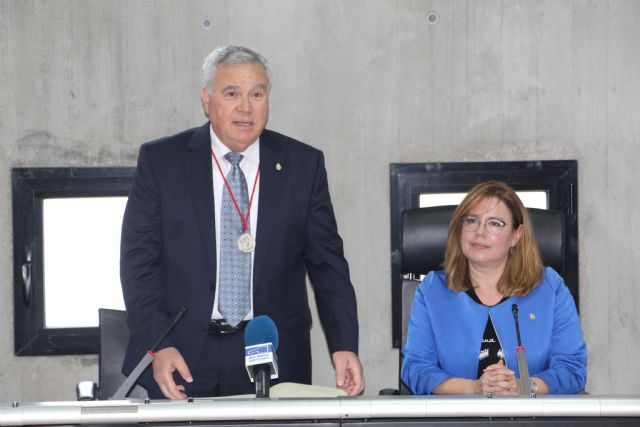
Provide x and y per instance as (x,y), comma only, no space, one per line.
(278,166)
(532,316)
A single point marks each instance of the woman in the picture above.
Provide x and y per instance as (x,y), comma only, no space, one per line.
(462,335)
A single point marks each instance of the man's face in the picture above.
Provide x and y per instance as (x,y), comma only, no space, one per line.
(238,105)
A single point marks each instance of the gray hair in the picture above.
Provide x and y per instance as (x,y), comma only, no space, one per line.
(230,55)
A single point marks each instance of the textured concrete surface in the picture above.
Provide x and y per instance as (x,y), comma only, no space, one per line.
(370,82)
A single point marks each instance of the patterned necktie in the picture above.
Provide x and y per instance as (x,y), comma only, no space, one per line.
(234,274)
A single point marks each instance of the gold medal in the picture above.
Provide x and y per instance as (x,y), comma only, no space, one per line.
(246,243)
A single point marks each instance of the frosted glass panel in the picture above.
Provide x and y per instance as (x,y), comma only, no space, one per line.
(440,199)
(81,240)
(531,199)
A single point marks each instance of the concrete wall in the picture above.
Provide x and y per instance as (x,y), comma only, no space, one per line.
(370,82)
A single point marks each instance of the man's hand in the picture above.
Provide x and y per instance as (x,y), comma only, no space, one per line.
(349,376)
(165,363)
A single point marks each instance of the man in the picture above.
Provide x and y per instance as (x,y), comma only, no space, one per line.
(225,220)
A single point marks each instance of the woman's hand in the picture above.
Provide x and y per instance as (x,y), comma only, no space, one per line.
(497,379)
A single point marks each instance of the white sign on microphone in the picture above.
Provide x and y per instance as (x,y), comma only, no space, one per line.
(261,354)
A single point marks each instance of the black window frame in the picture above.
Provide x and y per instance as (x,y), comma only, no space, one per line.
(30,186)
(408,180)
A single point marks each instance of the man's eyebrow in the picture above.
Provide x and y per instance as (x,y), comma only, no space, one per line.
(262,86)
(230,87)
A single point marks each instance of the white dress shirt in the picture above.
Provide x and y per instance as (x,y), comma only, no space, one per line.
(249,165)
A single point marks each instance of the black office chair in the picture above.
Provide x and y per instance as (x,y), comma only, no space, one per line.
(114,336)
(423,239)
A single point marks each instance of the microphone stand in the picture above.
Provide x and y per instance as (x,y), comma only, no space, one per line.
(122,392)
(262,375)
(523,367)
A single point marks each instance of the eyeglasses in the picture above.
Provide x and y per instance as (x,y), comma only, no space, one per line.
(472,223)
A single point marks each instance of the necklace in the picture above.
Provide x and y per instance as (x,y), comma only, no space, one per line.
(246,243)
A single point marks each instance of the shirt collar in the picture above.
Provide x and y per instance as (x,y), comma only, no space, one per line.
(252,153)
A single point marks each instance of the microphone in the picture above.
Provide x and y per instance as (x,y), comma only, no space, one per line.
(124,389)
(261,344)
(523,367)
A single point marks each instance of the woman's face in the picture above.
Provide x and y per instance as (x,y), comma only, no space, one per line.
(487,247)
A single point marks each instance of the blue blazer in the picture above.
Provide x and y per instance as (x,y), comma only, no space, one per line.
(446,328)
(168,251)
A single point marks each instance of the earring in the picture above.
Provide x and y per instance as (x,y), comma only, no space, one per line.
(512,250)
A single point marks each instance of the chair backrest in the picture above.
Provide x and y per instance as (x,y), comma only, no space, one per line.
(114,335)
(424,237)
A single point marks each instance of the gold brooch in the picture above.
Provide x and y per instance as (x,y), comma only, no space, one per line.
(532,316)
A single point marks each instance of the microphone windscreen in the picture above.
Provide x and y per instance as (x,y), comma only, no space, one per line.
(261,330)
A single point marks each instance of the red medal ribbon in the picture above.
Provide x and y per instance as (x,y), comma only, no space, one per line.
(245,220)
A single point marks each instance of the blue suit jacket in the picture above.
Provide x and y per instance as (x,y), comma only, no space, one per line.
(446,329)
(168,249)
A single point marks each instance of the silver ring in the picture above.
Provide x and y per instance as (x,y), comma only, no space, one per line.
(489,395)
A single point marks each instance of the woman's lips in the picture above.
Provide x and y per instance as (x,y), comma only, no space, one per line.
(479,246)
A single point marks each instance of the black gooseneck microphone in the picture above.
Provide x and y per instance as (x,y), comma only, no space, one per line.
(124,389)
(525,384)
